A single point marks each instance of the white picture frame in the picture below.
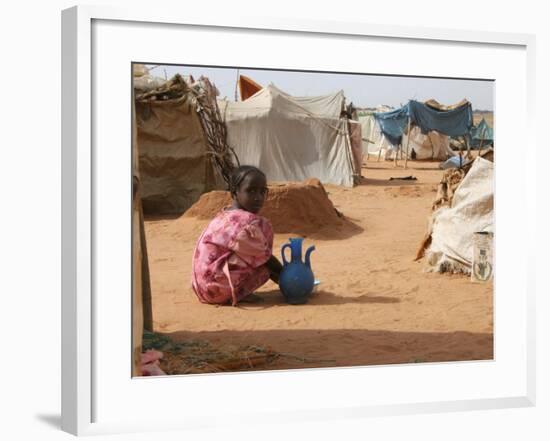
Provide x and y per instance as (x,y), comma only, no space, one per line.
(92,369)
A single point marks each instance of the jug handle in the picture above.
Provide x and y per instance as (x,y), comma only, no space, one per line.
(285,246)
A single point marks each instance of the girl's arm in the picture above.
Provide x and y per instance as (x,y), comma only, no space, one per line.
(274,267)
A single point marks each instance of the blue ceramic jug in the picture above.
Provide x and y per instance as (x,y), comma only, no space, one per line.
(296,280)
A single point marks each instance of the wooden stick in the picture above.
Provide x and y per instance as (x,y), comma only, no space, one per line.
(146,278)
(380,147)
(481,142)
(467,147)
(460,153)
(236,86)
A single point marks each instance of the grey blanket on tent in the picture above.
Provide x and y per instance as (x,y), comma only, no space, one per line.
(454,122)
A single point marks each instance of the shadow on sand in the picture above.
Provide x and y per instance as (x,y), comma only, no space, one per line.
(387,183)
(274,298)
(314,348)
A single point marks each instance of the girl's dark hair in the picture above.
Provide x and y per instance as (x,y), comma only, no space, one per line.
(238,174)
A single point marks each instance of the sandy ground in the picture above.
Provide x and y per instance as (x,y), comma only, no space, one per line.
(375,305)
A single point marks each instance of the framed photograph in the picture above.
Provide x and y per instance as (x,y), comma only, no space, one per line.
(374,333)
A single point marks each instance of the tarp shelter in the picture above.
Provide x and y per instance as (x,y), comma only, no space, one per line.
(393,123)
(453,121)
(174,165)
(453,227)
(292,138)
(431,125)
(482,134)
(449,120)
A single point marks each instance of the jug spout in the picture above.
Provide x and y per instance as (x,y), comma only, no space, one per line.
(308,252)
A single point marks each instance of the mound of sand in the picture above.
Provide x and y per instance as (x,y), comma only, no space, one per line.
(301,208)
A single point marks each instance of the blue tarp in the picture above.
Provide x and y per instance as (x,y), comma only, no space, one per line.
(453,122)
(481,132)
(452,162)
(393,123)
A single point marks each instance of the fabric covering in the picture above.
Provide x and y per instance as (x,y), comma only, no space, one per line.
(174,164)
(431,145)
(453,227)
(434,104)
(481,132)
(230,256)
(393,123)
(455,121)
(371,131)
(454,162)
(291,138)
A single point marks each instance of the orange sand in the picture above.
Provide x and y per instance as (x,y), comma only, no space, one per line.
(375,305)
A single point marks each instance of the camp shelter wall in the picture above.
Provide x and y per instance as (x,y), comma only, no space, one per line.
(453,227)
(371,131)
(431,145)
(173,161)
(291,138)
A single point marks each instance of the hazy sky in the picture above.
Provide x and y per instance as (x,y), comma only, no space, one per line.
(362,90)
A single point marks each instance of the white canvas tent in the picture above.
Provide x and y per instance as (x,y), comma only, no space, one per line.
(291,138)
(453,227)
(371,131)
(432,145)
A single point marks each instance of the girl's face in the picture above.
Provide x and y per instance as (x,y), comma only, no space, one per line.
(251,194)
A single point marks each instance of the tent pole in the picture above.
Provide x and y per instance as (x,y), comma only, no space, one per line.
(236,87)
(467,147)
(481,142)
(395,157)
(460,151)
(146,278)
(408,137)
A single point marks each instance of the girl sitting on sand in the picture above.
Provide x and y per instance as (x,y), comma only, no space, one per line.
(233,256)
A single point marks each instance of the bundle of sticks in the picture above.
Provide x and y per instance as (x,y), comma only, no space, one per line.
(214,127)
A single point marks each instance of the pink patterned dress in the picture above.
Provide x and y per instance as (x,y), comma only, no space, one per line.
(230,256)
